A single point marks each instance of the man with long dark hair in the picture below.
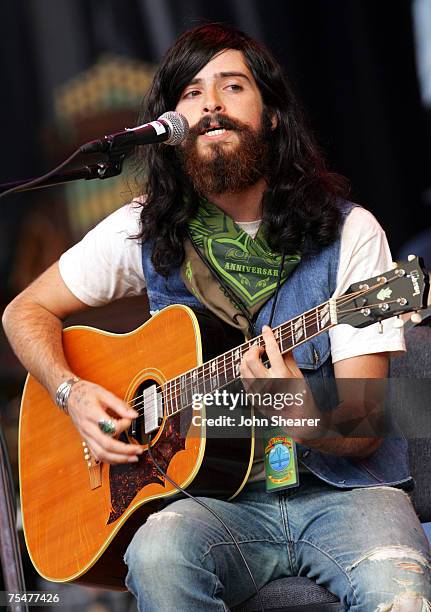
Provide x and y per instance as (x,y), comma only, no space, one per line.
(240,214)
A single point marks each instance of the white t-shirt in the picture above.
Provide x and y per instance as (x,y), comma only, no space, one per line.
(107,264)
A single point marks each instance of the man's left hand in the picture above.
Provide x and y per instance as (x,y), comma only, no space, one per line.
(280,366)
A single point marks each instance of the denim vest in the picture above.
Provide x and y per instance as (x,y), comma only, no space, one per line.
(312,283)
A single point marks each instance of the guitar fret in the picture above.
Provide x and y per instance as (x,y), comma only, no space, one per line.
(211,373)
(287,337)
(168,398)
(277,336)
(228,367)
(195,382)
(283,339)
(175,398)
(313,324)
(205,379)
(183,389)
(236,362)
(280,339)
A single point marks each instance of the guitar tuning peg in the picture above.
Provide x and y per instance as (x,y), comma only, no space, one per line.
(398,323)
(394,265)
(416,318)
(411,257)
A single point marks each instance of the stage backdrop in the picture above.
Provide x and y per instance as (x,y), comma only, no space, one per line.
(353,63)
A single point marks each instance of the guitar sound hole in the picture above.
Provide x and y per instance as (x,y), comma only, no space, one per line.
(154,409)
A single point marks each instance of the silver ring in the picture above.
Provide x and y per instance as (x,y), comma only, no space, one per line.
(107,427)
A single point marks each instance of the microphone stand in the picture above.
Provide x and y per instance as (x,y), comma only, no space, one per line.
(113,166)
(10,553)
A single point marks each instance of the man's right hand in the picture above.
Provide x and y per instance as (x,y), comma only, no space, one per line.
(88,404)
(37,313)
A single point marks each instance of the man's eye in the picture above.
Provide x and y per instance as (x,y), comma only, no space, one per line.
(192,93)
(234,87)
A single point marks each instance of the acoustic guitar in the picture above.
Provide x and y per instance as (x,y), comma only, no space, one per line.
(79,515)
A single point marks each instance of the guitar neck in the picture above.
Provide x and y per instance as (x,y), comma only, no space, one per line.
(403,289)
(225,368)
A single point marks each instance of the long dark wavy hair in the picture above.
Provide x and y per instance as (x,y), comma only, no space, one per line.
(300,201)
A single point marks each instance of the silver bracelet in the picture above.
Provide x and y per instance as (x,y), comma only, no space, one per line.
(63,392)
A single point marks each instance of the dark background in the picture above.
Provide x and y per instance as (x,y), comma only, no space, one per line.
(352,61)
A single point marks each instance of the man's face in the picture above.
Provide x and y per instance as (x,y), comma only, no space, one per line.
(227,147)
(225,85)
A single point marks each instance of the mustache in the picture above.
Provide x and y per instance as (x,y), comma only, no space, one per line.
(222,121)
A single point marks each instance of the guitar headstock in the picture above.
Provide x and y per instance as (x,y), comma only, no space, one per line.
(401,290)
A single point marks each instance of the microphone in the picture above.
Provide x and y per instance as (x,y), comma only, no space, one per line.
(171,128)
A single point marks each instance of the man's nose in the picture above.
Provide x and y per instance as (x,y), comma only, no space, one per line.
(212,102)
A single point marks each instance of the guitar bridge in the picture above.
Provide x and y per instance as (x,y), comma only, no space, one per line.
(94,467)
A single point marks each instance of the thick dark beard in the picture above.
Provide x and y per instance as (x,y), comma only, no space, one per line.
(226,171)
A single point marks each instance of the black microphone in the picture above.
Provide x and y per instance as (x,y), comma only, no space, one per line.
(170,128)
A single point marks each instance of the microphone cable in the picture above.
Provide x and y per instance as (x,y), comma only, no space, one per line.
(34,182)
(178,129)
(214,513)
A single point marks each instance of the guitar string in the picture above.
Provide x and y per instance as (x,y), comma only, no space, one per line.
(243,347)
(368,306)
(170,393)
(310,317)
(174,384)
(307,316)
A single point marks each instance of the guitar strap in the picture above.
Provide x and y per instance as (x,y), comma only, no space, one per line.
(212,292)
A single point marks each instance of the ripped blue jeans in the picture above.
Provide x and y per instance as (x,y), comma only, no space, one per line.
(365,545)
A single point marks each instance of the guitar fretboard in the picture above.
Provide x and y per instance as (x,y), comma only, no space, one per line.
(225,368)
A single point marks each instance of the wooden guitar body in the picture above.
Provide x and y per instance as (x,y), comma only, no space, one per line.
(80,515)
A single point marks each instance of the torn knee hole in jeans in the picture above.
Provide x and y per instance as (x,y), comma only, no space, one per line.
(406,602)
(414,560)
(410,567)
(407,559)
(159,516)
